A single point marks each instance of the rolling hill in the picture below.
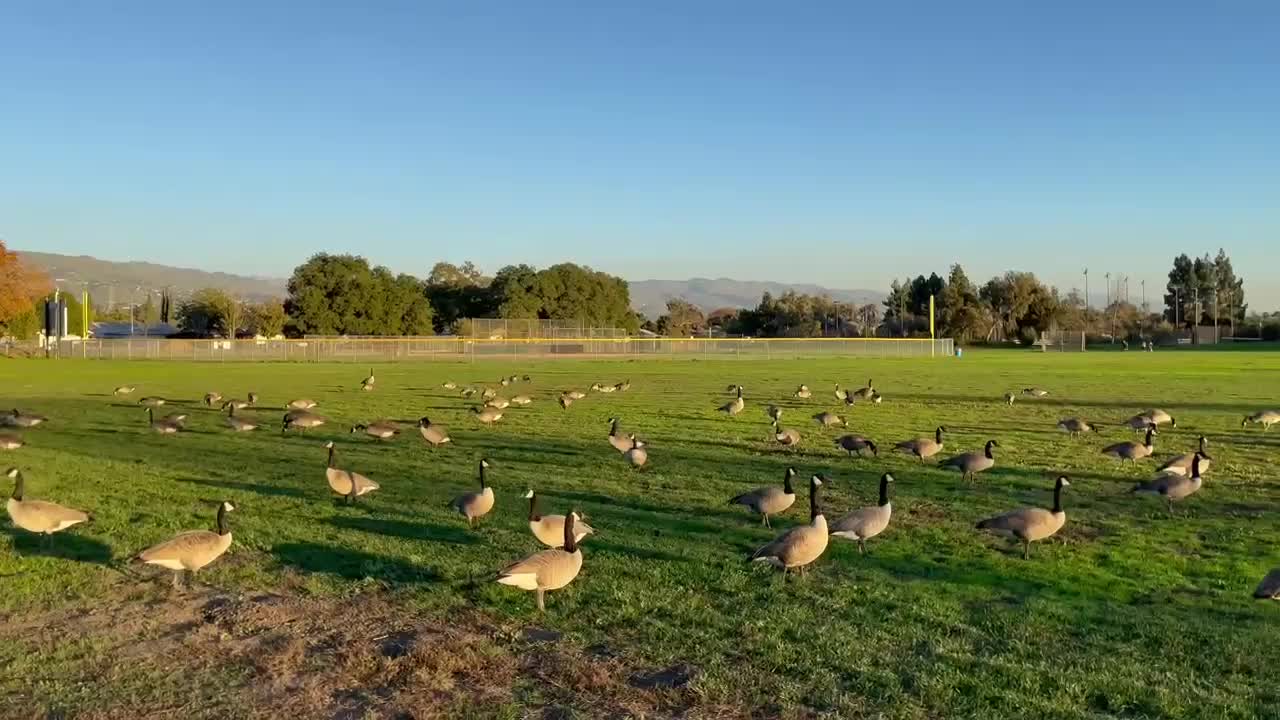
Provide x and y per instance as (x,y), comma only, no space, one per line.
(650,296)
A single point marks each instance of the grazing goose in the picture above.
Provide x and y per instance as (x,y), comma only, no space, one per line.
(38,516)
(123,390)
(864,393)
(565,401)
(924,447)
(769,500)
(876,398)
(433,434)
(239,424)
(828,419)
(623,386)
(774,412)
(1181,464)
(367,383)
(549,529)
(504,382)
(237,404)
(163,426)
(9,441)
(475,505)
(970,464)
(487,416)
(188,552)
(382,429)
(1265,418)
(856,444)
(637,456)
(349,485)
(841,395)
(604,388)
(301,419)
(17,418)
(868,522)
(1269,588)
(803,392)
(1034,392)
(798,547)
(734,406)
(1033,523)
(785,436)
(513,379)
(1008,399)
(521,400)
(549,569)
(468,392)
(488,394)
(1173,486)
(1131,449)
(575,394)
(449,385)
(1149,419)
(851,399)
(151,401)
(621,443)
(177,417)
(301,404)
(212,398)
(1073,426)
(253,398)
(528,379)
(498,402)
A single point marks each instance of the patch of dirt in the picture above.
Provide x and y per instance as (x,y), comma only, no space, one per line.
(359,657)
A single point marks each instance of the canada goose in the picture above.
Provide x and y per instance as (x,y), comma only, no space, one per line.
(621,443)
(163,426)
(868,522)
(1149,419)
(856,444)
(468,392)
(549,529)
(575,394)
(433,434)
(769,500)
(301,404)
(876,398)
(828,419)
(924,447)
(475,505)
(499,403)
(1172,485)
(487,416)
(191,551)
(151,401)
(367,383)
(851,399)
(1131,449)
(212,398)
(565,401)
(526,378)
(549,569)
(237,423)
(17,418)
(1073,426)
(734,406)
(504,382)
(1269,588)
(606,389)
(1265,418)
(1181,464)
(349,485)
(970,464)
(864,393)
(123,390)
(841,395)
(1008,399)
(177,417)
(1034,392)
(381,429)
(1033,523)
(253,398)
(301,419)
(623,386)
(521,400)
(785,436)
(237,404)
(803,392)
(637,455)
(774,412)
(513,379)
(38,516)
(9,441)
(731,388)
(1139,423)
(449,385)
(801,545)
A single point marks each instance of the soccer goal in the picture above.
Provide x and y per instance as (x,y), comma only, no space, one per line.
(1061,341)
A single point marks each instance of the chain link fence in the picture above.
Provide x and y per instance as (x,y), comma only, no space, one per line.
(427,349)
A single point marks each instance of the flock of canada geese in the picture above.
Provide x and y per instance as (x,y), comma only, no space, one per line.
(791,551)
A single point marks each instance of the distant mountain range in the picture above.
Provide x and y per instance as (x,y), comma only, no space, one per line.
(110,281)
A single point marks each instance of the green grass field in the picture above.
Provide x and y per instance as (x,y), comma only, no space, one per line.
(1128,613)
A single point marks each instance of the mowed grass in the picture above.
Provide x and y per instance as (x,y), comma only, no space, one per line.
(1128,613)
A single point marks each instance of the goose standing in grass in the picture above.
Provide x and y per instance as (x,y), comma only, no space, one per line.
(10,441)
(865,523)
(856,444)
(1149,419)
(521,400)
(475,505)
(17,418)
(970,464)
(1131,449)
(1073,426)
(468,392)
(212,398)
(487,416)
(549,569)
(349,485)
(302,419)
(488,394)
(549,529)
(1031,524)
(1181,464)
(1173,486)
(620,442)
(637,456)
(803,392)
(433,434)
(163,426)
(734,406)
(769,500)
(504,382)
(367,383)
(623,386)
(301,404)
(798,547)
(1034,392)
(498,402)
(237,404)
(1265,418)
(151,401)
(785,436)
(449,385)
(565,401)
(239,424)
(188,552)
(1269,588)
(123,390)
(841,395)
(381,429)
(1009,398)
(864,393)
(1139,423)
(830,419)
(39,516)
(177,417)
(924,447)
(575,394)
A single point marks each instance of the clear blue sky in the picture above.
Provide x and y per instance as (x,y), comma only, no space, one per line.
(840,143)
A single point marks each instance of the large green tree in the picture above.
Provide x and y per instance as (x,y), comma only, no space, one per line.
(1230,291)
(210,312)
(457,292)
(960,312)
(343,295)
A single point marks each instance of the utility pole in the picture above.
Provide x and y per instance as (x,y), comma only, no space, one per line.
(1086,292)
(1142,318)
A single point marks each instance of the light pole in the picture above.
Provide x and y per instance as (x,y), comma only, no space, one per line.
(1086,292)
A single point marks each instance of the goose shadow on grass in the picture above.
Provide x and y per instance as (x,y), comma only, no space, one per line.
(406,530)
(65,545)
(351,564)
(258,488)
